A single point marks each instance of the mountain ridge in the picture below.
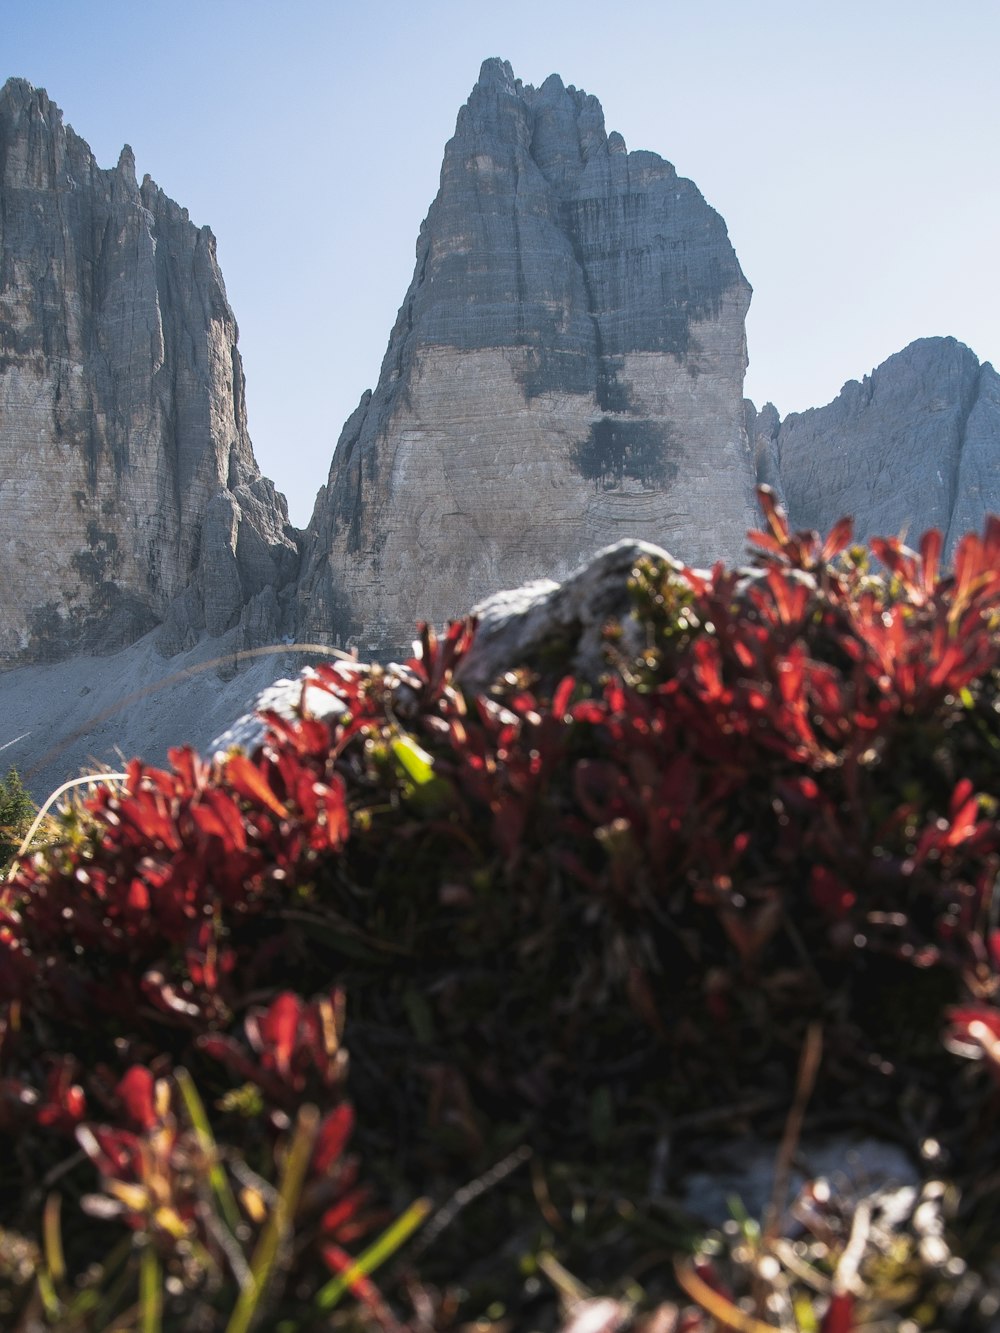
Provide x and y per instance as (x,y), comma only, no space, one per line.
(566,369)
(928,416)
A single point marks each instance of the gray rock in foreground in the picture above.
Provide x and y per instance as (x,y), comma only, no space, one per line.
(567,620)
(543,624)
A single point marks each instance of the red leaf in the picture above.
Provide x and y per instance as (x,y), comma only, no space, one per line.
(562,696)
(966,564)
(338,820)
(230,1052)
(765,541)
(64,1104)
(138,896)
(332,1138)
(708,671)
(952,658)
(976,1018)
(960,796)
(111,1150)
(248,780)
(840,536)
(343,1211)
(964,814)
(217,814)
(930,555)
(279,1029)
(589,710)
(137,1089)
(774,512)
(189,767)
(839,1317)
(789,598)
(974,1034)
(146,816)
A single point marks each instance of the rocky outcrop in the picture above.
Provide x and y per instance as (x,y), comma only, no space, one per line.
(543,626)
(129,494)
(566,368)
(914,445)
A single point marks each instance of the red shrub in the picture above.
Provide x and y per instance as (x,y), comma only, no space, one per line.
(788,797)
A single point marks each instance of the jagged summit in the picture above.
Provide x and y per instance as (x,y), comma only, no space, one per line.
(129,493)
(567,365)
(17,92)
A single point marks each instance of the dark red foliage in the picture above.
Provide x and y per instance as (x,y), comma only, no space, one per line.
(839,1317)
(294,1048)
(796,780)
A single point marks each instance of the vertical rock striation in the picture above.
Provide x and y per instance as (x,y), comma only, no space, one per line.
(129,494)
(566,368)
(914,445)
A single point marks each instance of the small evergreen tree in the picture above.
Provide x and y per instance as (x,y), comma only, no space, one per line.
(17,810)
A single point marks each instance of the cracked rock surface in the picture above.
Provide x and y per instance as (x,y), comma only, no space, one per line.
(129,493)
(566,369)
(914,445)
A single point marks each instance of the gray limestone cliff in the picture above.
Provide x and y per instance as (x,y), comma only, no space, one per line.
(566,368)
(129,493)
(914,445)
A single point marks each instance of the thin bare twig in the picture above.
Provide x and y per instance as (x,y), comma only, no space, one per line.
(805,1081)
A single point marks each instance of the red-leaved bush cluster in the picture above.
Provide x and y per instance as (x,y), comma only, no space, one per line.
(558,926)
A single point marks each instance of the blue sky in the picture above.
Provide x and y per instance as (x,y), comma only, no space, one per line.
(851,147)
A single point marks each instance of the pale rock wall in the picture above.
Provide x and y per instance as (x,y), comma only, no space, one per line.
(912,446)
(129,494)
(566,368)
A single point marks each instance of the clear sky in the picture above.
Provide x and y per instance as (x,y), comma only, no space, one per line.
(851,147)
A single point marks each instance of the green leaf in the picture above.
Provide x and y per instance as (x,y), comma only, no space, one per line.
(415,762)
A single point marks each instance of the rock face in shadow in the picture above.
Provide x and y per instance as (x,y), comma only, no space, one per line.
(914,445)
(129,493)
(566,369)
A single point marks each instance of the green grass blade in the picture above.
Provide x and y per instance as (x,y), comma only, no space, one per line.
(47,1292)
(376,1254)
(280,1220)
(150,1290)
(55,1261)
(216,1172)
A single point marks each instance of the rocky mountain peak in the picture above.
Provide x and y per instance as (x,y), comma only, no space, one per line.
(126,163)
(912,445)
(567,365)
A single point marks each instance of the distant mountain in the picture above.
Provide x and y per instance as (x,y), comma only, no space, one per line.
(566,370)
(129,494)
(914,445)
